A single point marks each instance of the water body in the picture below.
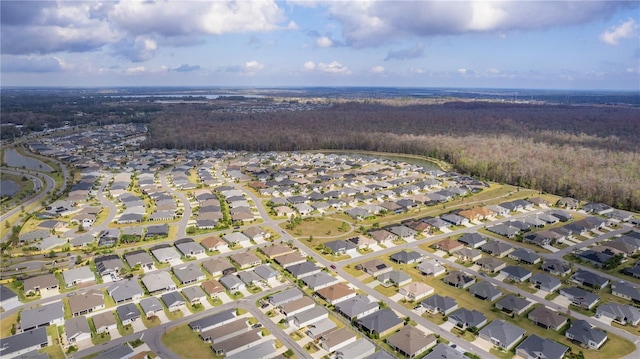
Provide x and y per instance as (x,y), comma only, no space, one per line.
(8,188)
(13,158)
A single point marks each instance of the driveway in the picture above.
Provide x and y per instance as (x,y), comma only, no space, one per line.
(138,325)
(447,326)
(483,344)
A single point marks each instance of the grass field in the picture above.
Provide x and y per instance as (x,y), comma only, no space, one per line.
(6,322)
(187,344)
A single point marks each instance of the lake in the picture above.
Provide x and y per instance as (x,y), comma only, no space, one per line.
(8,188)
(13,158)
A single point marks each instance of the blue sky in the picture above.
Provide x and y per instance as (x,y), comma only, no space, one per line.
(492,44)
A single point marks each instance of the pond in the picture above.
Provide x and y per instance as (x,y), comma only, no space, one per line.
(13,158)
(8,188)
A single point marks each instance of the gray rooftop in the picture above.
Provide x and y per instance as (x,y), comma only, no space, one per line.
(22,341)
(45,314)
(537,347)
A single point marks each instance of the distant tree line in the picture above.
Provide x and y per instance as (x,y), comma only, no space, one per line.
(589,152)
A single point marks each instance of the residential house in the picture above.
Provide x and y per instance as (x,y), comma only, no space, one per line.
(237,343)
(125,290)
(290,259)
(504,229)
(49,314)
(395,277)
(516,273)
(104,322)
(45,282)
(87,302)
(304,269)
(275,250)
(473,240)
(236,239)
(23,344)
(497,248)
(77,330)
(266,272)
(589,279)
(212,287)
(403,232)
(213,321)
(214,243)
(468,254)
(256,233)
(502,334)
(525,256)
(416,290)
(444,351)
(406,257)
(535,347)
(299,305)
(439,304)
(218,266)
(309,316)
(245,259)
(545,282)
(622,314)
(380,323)
(459,279)
(556,267)
(128,313)
(165,253)
(485,291)
(173,301)
(360,349)
(249,277)
(336,293)
(225,332)
(319,280)
(194,295)
(512,304)
(464,318)
(362,242)
(189,273)
(584,333)
(356,307)
(337,339)
(341,247)
(322,327)
(156,282)
(78,275)
(139,258)
(448,245)
(151,306)
(431,268)
(374,267)
(232,282)
(286,296)
(490,264)
(188,247)
(410,341)
(383,237)
(547,318)
(580,297)
(626,290)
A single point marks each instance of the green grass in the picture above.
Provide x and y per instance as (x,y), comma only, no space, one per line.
(124,330)
(108,301)
(464,334)
(150,322)
(67,308)
(187,344)
(214,301)
(176,314)
(54,351)
(196,308)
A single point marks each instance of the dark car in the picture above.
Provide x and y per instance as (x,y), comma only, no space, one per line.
(258,325)
(333,266)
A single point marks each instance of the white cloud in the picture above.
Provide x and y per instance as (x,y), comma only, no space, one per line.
(309,66)
(324,41)
(377,69)
(372,23)
(462,71)
(416,70)
(251,67)
(334,67)
(624,30)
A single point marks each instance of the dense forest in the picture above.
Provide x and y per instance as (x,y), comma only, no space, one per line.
(588,152)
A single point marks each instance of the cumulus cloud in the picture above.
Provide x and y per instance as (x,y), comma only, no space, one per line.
(624,30)
(251,67)
(324,41)
(372,23)
(32,64)
(134,29)
(334,67)
(405,54)
(186,68)
(142,48)
(377,69)
(416,70)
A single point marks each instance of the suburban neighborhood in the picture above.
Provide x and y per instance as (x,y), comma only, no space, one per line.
(210,254)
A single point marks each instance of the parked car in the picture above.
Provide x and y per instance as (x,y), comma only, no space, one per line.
(258,325)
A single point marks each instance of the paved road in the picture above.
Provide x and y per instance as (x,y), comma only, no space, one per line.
(184,221)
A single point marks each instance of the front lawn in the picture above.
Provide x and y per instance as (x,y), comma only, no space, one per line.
(187,344)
